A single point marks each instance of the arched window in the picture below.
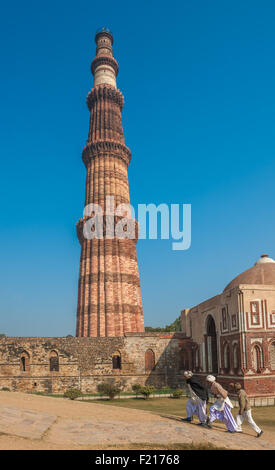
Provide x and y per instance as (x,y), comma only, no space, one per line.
(184,360)
(226,357)
(272,356)
(211,345)
(25,361)
(236,358)
(195,358)
(257,358)
(116,360)
(54,361)
(149,360)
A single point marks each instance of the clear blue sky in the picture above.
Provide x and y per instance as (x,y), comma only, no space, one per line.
(198,79)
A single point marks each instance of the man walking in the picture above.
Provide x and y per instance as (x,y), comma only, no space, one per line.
(221,409)
(196,405)
(245,413)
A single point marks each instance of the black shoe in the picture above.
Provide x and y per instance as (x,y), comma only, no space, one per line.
(187,420)
(204,425)
(260,433)
(208,422)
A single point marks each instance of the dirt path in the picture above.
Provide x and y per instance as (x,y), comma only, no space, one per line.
(37,422)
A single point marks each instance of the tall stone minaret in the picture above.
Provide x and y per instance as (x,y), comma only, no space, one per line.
(109,298)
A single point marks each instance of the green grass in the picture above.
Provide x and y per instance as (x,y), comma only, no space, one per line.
(162,391)
(171,406)
(171,446)
(264,416)
(45,394)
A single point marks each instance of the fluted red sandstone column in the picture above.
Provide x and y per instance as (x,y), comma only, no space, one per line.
(109,298)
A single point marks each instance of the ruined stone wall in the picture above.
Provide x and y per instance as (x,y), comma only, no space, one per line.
(85,362)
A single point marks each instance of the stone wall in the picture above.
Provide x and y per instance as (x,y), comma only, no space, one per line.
(85,362)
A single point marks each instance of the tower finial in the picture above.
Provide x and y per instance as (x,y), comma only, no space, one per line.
(106,32)
(104,66)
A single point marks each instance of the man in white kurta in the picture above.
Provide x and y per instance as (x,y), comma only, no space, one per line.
(221,409)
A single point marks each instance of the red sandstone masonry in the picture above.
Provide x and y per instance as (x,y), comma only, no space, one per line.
(109,298)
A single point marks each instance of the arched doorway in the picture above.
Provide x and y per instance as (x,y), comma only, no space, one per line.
(149,360)
(25,362)
(116,360)
(54,362)
(211,345)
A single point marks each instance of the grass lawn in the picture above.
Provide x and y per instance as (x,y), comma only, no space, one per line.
(263,416)
(161,391)
(170,446)
(166,406)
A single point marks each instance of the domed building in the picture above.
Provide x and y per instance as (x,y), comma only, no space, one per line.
(233,333)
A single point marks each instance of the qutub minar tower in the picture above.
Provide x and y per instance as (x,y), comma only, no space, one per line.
(109,298)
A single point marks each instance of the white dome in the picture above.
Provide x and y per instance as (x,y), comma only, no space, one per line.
(265,259)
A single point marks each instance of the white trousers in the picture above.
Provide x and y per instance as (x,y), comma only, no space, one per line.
(196,408)
(247,416)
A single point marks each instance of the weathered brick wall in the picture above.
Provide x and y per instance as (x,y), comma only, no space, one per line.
(85,362)
(260,386)
(257,387)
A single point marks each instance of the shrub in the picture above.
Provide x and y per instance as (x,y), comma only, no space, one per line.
(136,388)
(147,390)
(108,389)
(72,393)
(177,393)
(5,389)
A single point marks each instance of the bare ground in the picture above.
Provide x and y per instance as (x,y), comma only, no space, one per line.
(34,422)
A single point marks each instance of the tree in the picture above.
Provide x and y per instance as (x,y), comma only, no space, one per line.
(175,326)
